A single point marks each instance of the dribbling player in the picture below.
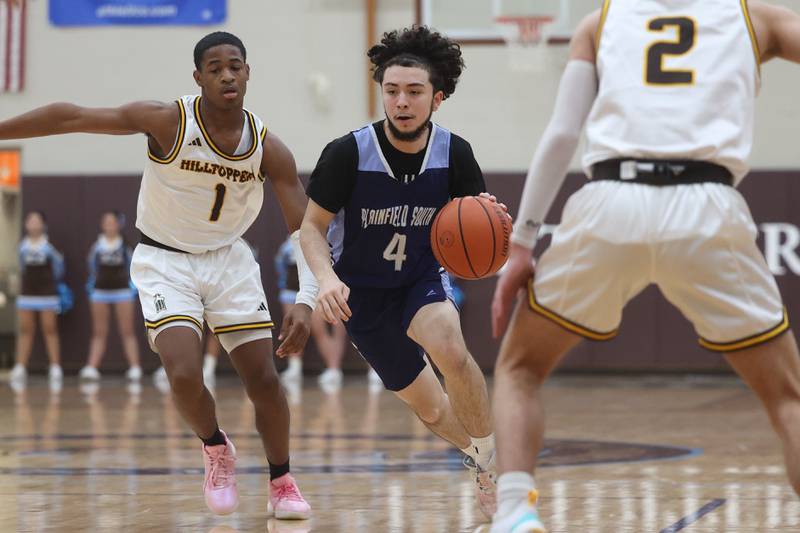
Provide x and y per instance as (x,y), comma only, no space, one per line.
(373,195)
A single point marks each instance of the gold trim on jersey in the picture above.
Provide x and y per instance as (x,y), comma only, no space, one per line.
(564,322)
(599,32)
(753,40)
(748,342)
(262,137)
(173,318)
(170,157)
(253,137)
(244,327)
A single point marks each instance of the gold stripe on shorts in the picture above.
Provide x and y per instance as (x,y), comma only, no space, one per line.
(174,318)
(564,322)
(244,327)
(748,342)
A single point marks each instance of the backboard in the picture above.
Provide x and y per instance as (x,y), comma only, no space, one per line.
(473,21)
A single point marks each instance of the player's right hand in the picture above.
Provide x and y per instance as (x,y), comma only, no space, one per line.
(493,198)
(332,298)
(514,277)
(295,330)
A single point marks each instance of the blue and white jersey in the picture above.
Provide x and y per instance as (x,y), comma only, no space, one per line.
(381,238)
(109,264)
(286,267)
(42,267)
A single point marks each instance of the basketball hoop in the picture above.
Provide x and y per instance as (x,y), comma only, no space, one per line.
(526,40)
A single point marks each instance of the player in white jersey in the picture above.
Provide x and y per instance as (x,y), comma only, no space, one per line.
(202,188)
(668,89)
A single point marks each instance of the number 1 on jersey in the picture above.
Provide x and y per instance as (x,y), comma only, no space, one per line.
(396,251)
(218,201)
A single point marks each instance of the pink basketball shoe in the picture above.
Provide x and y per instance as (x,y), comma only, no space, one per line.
(285,500)
(219,486)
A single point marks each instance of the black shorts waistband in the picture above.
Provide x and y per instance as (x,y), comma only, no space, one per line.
(144,239)
(661,172)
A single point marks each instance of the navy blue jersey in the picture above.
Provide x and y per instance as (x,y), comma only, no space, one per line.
(381,237)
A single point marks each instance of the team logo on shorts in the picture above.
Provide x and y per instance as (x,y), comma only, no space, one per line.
(158,301)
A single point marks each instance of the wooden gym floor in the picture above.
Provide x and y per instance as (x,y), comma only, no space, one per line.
(624,454)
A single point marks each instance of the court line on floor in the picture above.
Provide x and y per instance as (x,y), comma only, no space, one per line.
(366,468)
(563,453)
(191,436)
(695,516)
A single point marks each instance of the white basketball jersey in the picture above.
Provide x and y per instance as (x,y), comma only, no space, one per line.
(677,80)
(198,198)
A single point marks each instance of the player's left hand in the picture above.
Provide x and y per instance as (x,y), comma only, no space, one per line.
(513,278)
(493,198)
(295,329)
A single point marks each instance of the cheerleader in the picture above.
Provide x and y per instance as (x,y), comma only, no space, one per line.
(110,286)
(331,339)
(42,268)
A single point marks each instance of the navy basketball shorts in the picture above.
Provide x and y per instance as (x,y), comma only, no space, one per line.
(379,323)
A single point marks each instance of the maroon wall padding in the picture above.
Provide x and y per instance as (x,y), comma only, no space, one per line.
(73,205)
(653,337)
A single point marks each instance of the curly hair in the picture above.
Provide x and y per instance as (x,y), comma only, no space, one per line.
(418,46)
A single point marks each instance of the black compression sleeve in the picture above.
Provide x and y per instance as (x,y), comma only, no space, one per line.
(466,178)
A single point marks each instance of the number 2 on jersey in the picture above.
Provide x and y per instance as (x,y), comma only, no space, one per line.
(218,201)
(654,71)
(396,251)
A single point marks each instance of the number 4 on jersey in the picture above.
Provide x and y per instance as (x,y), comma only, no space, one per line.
(396,251)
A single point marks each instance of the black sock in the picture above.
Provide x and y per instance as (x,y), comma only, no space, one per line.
(214,440)
(276,471)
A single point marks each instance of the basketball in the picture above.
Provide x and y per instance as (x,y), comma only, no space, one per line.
(470,237)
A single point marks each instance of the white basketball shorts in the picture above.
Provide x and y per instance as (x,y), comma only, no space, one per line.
(695,242)
(222,286)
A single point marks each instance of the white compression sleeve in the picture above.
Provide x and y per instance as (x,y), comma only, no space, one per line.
(576,94)
(308,283)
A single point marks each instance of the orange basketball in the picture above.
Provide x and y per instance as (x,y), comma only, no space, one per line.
(470,237)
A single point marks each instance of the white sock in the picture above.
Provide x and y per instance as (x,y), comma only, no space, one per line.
(209,363)
(295,364)
(469,451)
(482,449)
(512,490)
